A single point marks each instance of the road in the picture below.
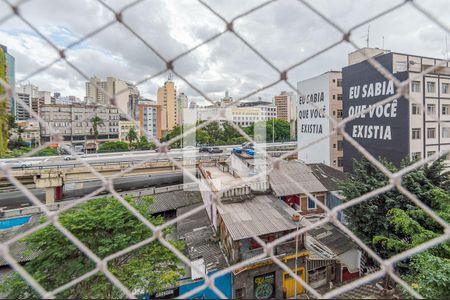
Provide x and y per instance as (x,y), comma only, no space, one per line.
(11,200)
(111,158)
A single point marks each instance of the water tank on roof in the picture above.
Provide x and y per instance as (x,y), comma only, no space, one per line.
(251,152)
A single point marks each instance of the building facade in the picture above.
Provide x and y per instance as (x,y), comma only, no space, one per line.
(74,123)
(9,75)
(286,105)
(245,116)
(124,129)
(400,128)
(150,119)
(167,99)
(320,96)
(126,94)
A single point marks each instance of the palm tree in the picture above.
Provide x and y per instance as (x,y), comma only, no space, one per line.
(96,122)
(132,135)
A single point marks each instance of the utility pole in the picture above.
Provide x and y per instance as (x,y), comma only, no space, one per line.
(273,130)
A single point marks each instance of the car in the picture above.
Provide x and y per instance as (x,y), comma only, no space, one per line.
(203,149)
(69,157)
(215,150)
(189,148)
(20,164)
(247,145)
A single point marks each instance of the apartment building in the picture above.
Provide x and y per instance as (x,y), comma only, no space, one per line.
(126,94)
(151,118)
(320,96)
(124,129)
(167,99)
(287,109)
(245,116)
(417,128)
(74,123)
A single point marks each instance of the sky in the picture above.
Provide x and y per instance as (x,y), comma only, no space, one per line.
(285,32)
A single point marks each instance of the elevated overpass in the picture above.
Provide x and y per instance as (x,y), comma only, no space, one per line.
(52,175)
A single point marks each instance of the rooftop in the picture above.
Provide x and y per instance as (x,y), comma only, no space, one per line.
(198,234)
(174,200)
(282,180)
(333,238)
(261,215)
(328,176)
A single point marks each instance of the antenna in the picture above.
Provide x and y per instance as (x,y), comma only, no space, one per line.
(170,76)
(368,35)
(383,42)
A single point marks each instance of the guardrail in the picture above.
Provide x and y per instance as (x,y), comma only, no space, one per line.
(30,210)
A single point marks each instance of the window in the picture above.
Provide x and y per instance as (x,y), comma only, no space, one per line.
(334,97)
(415,108)
(339,82)
(340,162)
(430,153)
(239,294)
(339,96)
(415,134)
(340,145)
(445,88)
(339,113)
(431,133)
(415,86)
(431,109)
(431,86)
(445,132)
(446,109)
(311,204)
(416,155)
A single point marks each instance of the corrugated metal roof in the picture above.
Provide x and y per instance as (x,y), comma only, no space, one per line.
(281,179)
(328,176)
(174,200)
(262,215)
(197,233)
(330,236)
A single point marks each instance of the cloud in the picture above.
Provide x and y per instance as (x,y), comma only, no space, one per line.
(285,32)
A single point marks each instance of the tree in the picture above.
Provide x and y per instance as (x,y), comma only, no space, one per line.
(118,146)
(427,272)
(364,218)
(279,127)
(144,144)
(96,122)
(105,226)
(4,129)
(132,135)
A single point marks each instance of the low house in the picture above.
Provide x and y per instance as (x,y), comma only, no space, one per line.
(293,180)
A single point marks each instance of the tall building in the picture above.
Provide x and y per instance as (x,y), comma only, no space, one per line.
(166,97)
(150,119)
(182,106)
(29,96)
(416,128)
(320,96)
(10,74)
(287,109)
(73,122)
(126,94)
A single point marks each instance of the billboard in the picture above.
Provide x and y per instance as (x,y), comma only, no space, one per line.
(264,286)
(312,124)
(384,130)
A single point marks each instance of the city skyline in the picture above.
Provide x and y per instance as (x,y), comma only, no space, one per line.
(210,68)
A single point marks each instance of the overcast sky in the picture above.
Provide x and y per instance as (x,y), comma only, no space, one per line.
(284,31)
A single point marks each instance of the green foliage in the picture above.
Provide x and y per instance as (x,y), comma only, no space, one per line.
(118,146)
(392,223)
(279,127)
(225,134)
(132,135)
(47,152)
(144,144)
(96,122)
(4,128)
(105,226)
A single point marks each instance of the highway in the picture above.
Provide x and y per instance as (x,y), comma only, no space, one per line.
(12,200)
(118,157)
